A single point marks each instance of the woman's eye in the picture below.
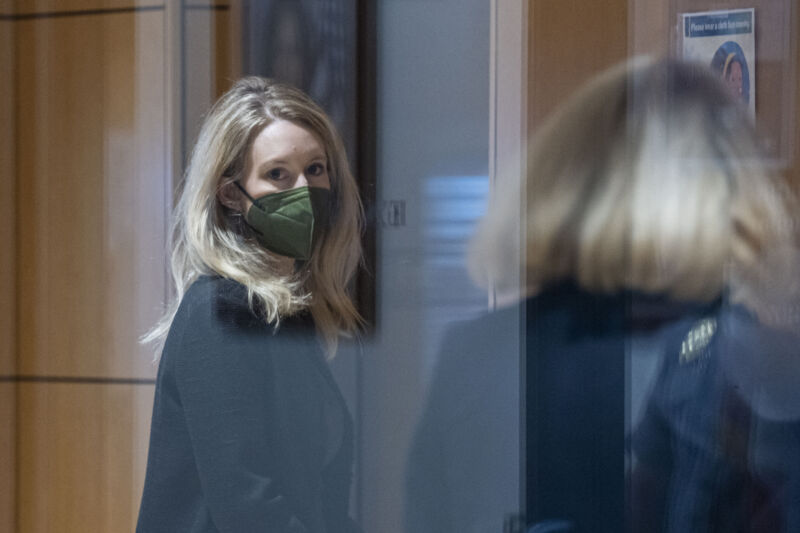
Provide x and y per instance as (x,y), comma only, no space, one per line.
(317,169)
(276,174)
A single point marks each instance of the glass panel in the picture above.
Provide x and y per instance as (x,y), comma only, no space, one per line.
(440,401)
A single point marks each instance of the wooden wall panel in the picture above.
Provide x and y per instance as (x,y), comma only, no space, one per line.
(8,456)
(93,198)
(86,119)
(7,202)
(8,356)
(83,455)
(227,47)
(18,7)
(569,41)
(209,3)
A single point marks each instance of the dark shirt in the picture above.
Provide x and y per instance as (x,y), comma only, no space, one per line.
(249,432)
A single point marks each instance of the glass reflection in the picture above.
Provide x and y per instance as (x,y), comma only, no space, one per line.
(660,328)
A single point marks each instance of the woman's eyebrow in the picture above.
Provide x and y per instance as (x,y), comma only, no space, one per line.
(270,163)
(311,156)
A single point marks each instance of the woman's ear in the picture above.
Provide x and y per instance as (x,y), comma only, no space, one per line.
(229,196)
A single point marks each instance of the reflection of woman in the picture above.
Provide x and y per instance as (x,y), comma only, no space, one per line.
(249,430)
(645,204)
(730,65)
(287,42)
(306,45)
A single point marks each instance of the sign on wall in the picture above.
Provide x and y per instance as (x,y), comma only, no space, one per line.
(725,41)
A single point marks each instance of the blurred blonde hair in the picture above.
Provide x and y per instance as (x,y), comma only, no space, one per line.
(209,238)
(649,178)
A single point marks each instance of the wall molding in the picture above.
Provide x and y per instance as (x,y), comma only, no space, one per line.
(85,380)
(78,13)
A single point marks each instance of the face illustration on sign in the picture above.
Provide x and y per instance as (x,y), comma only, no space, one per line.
(733,79)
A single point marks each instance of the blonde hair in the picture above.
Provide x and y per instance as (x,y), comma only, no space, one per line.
(650,179)
(209,238)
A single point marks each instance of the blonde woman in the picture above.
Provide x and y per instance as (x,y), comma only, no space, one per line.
(650,217)
(249,430)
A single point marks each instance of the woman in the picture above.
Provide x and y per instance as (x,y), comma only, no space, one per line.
(249,430)
(647,207)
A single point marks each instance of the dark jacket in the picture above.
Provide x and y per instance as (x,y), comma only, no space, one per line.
(463,465)
(250,432)
(719,446)
(577,393)
(566,393)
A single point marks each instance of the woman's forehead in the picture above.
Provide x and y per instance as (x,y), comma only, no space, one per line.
(284,141)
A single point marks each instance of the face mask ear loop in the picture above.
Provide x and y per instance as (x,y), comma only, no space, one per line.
(245,192)
(254,203)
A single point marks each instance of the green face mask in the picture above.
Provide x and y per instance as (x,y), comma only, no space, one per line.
(289,223)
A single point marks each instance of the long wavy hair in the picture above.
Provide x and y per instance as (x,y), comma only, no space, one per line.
(649,178)
(211,239)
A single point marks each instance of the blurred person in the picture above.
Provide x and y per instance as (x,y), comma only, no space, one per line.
(648,211)
(250,431)
(718,447)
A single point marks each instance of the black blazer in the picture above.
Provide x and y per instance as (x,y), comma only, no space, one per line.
(249,432)
(719,446)
(577,388)
(464,466)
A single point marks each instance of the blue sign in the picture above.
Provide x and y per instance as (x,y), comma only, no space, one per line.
(718,24)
